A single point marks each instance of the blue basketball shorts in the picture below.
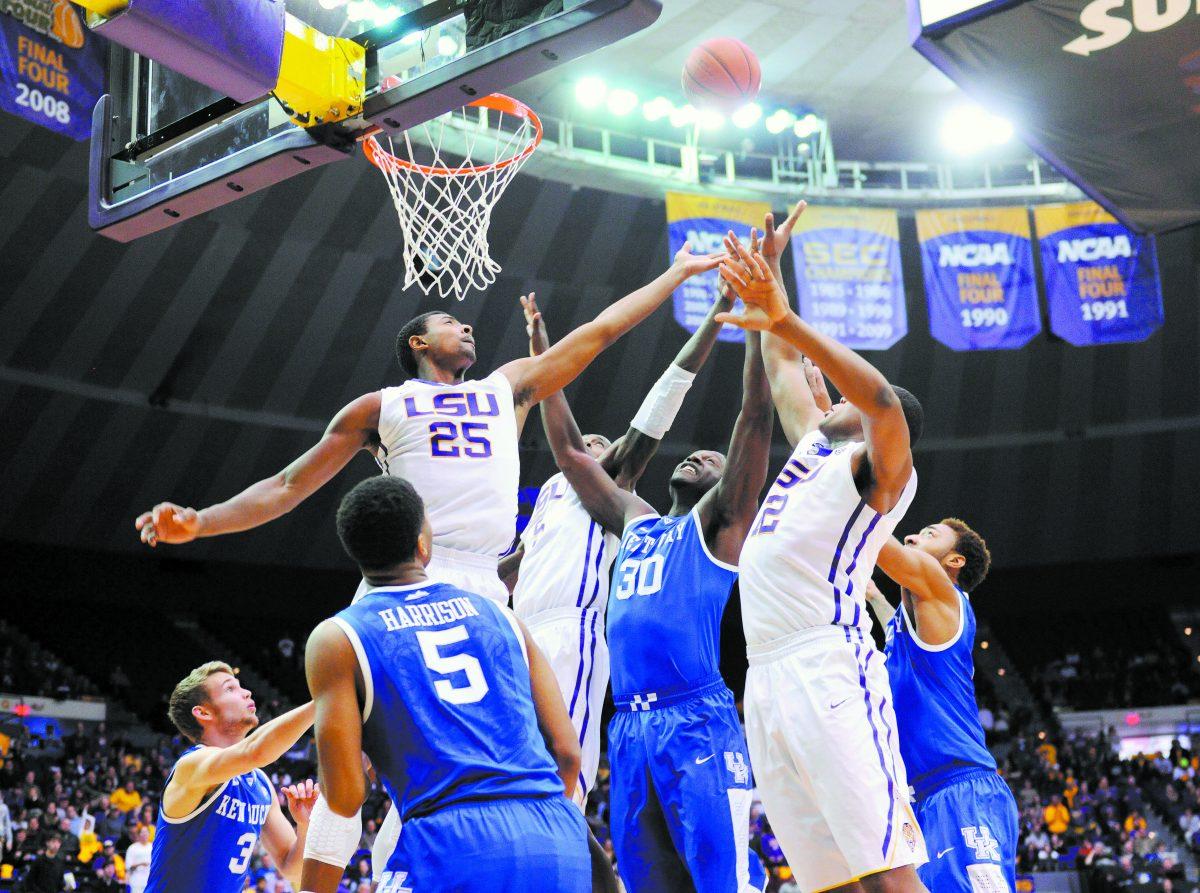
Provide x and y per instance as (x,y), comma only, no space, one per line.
(970,830)
(530,845)
(681,793)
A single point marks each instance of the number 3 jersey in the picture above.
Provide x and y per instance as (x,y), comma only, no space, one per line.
(457,444)
(664,611)
(209,850)
(448,711)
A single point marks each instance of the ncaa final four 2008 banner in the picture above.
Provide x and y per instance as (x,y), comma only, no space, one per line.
(979,279)
(1101,278)
(51,66)
(703,221)
(848,275)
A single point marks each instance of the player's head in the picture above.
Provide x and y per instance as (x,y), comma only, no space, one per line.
(596,444)
(959,549)
(210,699)
(439,339)
(382,526)
(844,421)
(698,473)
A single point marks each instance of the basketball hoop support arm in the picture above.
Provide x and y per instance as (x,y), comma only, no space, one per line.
(317,78)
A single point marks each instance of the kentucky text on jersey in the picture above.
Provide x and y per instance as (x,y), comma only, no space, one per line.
(241,811)
(432,614)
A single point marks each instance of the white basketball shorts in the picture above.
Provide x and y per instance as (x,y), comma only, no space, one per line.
(466,570)
(573,641)
(826,757)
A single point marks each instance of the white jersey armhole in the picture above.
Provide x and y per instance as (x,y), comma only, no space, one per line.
(207,802)
(704,545)
(363,665)
(952,641)
(500,380)
(638,520)
(516,628)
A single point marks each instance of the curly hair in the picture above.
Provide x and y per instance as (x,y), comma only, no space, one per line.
(973,548)
(379,522)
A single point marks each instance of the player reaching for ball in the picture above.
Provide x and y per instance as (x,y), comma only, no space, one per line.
(819,719)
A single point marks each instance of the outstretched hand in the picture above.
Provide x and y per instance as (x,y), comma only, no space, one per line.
(301,798)
(775,241)
(816,384)
(693,264)
(168,523)
(535,326)
(751,279)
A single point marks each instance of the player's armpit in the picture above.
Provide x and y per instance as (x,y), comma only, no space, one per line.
(210,766)
(554,721)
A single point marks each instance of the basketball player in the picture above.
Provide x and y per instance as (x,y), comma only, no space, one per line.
(967,812)
(458,712)
(218,804)
(456,438)
(564,556)
(819,717)
(681,783)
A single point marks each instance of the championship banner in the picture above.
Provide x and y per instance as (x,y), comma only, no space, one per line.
(979,281)
(848,275)
(1101,278)
(51,66)
(703,221)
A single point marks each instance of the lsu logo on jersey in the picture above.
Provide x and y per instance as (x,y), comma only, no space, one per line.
(977,255)
(452,403)
(986,847)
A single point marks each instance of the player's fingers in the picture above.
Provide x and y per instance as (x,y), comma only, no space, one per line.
(732,276)
(142,520)
(762,271)
(732,318)
(796,212)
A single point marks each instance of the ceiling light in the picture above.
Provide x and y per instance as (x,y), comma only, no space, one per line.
(683,116)
(657,108)
(969,129)
(590,92)
(747,115)
(622,102)
(807,126)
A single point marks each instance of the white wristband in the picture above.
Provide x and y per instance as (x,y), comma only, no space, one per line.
(661,405)
(332,838)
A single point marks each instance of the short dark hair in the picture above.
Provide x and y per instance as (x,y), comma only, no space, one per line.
(192,691)
(973,548)
(418,325)
(914,414)
(379,522)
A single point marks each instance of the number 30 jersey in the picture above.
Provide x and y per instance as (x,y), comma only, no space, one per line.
(457,444)
(664,611)
(448,711)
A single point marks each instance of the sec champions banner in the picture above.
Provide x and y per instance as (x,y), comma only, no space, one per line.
(979,280)
(51,66)
(703,221)
(1101,278)
(848,275)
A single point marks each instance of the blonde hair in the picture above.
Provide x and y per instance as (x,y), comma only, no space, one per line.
(192,691)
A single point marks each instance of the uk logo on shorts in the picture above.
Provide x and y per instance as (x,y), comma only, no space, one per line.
(393,882)
(736,764)
(986,847)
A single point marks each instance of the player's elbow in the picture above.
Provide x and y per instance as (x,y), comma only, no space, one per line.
(569,758)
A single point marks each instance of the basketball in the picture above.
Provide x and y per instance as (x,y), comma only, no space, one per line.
(721,73)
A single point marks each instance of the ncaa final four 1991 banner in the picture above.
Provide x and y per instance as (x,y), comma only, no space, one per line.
(51,66)
(1101,278)
(703,221)
(979,278)
(848,275)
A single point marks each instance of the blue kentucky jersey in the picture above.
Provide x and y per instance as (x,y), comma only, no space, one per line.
(209,850)
(933,688)
(448,714)
(664,608)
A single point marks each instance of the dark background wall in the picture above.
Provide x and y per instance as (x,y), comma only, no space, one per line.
(191,363)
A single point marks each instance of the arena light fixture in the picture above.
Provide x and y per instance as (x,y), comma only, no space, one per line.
(747,116)
(621,101)
(806,126)
(710,119)
(683,116)
(590,92)
(969,129)
(779,121)
(447,45)
(657,108)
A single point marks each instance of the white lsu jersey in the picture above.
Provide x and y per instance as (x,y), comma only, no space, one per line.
(813,546)
(457,445)
(567,555)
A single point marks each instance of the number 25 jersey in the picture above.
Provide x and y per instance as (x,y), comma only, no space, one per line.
(457,444)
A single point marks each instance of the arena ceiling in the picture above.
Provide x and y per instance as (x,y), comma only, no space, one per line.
(851,61)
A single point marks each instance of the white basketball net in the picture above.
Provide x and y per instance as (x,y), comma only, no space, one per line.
(445,207)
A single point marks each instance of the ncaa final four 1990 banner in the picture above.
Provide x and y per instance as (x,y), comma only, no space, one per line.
(1101,278)
(848,275)
(51,66)
(703,221)
(979,279)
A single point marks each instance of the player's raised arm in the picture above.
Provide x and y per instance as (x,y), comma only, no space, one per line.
(727,510)
(553,720)
(210,766)
(884,612)
(923,579)
(888,445)
(627,458)
(351,430)
(336,825)
(535,378)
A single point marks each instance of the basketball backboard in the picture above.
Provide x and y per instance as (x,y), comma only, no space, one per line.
(165,148)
